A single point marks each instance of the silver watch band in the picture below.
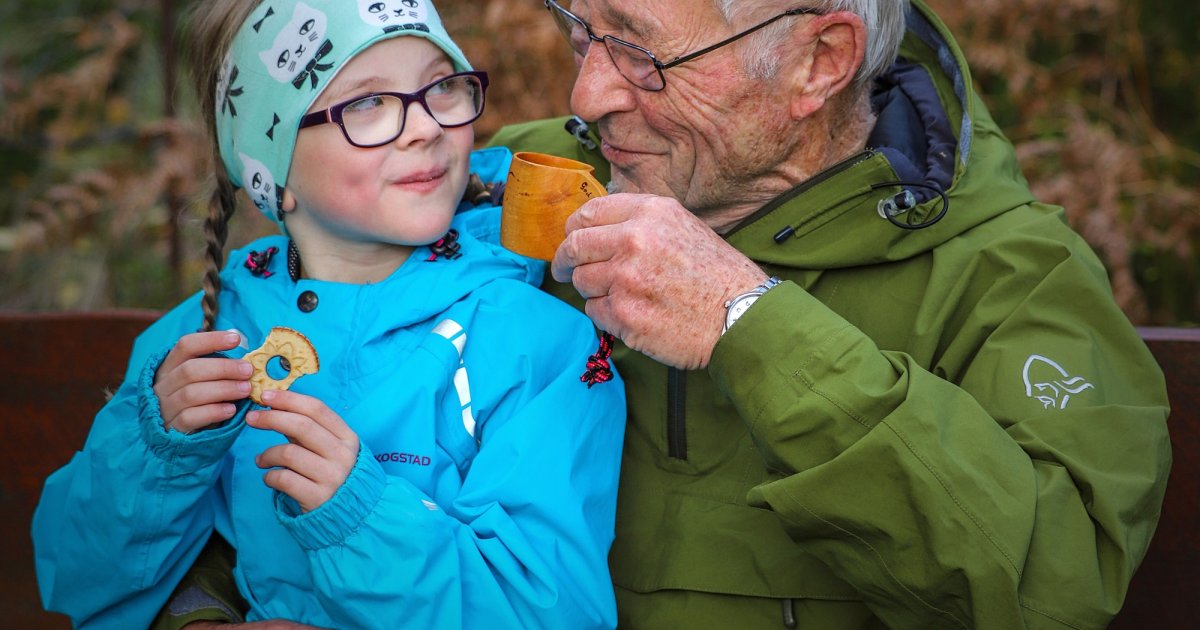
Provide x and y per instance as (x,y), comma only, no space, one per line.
(739,304)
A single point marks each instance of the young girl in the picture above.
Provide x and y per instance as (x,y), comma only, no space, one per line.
(446,465)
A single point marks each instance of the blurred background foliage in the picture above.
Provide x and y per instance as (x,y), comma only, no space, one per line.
(101,160)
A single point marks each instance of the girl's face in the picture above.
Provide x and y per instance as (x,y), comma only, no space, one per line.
(344,199)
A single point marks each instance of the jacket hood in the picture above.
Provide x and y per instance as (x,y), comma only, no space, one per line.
(934,145)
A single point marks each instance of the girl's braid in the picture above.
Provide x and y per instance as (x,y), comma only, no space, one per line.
(216,230)
(210,29)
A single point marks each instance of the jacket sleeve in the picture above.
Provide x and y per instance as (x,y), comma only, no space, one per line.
(1012,481)
(523,544)
(118,526)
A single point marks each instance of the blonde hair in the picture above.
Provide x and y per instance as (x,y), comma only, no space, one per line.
(208,34)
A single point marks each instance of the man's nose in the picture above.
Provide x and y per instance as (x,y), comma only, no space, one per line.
(600,89)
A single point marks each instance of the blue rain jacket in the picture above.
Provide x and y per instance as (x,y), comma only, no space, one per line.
(483,495)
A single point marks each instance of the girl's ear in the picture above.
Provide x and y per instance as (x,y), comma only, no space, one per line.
(289,201)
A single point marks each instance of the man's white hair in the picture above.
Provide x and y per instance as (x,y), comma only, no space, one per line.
(884,20)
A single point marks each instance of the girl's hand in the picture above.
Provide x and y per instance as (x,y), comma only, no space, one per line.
(320,452)
(195,390)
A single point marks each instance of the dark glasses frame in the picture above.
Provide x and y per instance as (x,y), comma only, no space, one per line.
(333,113)
(659,66)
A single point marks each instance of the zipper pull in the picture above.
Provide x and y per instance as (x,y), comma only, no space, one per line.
(576,127)
(789,613)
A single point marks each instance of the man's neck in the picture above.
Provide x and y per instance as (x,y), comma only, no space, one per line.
(822,141)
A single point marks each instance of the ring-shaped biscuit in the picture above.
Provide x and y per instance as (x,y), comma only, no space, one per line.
(297,356)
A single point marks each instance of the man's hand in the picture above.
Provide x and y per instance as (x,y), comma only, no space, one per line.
(320,452)
(195,390)
(654,275)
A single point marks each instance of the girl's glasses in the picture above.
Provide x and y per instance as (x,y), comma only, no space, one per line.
(378,118)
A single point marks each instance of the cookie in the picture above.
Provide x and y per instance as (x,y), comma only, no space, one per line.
(296,355)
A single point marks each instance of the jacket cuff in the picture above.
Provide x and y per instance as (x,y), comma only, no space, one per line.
(785,313)
(339,517)
(806,382)
(783,340)
(181,453)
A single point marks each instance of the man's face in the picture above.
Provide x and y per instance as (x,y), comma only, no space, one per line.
(709,135)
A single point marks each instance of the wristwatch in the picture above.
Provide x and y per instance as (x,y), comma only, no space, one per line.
(739,304)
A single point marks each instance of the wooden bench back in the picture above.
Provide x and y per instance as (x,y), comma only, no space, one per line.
(1163,593)
(55,370)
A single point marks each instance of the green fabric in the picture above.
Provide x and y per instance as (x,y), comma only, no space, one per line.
(211,594)
(664,610)
(864,441)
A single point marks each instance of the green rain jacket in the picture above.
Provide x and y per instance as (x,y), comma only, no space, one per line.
(952,426)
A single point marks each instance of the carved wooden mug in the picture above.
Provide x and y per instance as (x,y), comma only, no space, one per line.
(541,192)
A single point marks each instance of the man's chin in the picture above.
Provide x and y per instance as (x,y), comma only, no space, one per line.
(628,182)
(622,184)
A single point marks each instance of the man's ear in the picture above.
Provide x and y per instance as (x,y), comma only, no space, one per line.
(835,45)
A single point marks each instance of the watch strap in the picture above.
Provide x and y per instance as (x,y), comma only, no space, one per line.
(752,295)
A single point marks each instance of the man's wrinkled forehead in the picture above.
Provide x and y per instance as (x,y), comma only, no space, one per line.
(630,20)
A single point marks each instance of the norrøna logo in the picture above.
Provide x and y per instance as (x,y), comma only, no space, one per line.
(402,458)
(1047,382)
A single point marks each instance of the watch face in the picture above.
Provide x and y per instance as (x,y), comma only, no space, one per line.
(737,308)
(742,303)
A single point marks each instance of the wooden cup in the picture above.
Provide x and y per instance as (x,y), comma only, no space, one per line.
(542,191)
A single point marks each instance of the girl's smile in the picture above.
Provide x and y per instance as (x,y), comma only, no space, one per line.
(423,182)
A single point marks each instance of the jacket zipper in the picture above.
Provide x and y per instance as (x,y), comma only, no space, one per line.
(676,414)
(844,165)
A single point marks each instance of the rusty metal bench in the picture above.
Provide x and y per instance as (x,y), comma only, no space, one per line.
(55,370)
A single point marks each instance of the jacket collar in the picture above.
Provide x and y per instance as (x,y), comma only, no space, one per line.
(932,137)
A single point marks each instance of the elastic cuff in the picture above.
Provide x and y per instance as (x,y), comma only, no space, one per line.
(339,517)
(182,453)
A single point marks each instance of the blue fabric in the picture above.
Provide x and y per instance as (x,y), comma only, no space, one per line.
(938,39)
(483,495)
(912,129)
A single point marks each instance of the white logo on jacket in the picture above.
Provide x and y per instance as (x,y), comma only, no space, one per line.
(454,333)
(1049,383)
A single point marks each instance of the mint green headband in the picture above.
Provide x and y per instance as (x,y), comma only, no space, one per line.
(281,59)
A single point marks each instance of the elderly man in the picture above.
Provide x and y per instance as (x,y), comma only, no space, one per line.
(872,381)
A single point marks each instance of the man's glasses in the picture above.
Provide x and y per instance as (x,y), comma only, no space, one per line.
(378,118)
(638,65)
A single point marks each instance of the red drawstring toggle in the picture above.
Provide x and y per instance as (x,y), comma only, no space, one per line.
(447,247)
(257,262)
(599,370)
